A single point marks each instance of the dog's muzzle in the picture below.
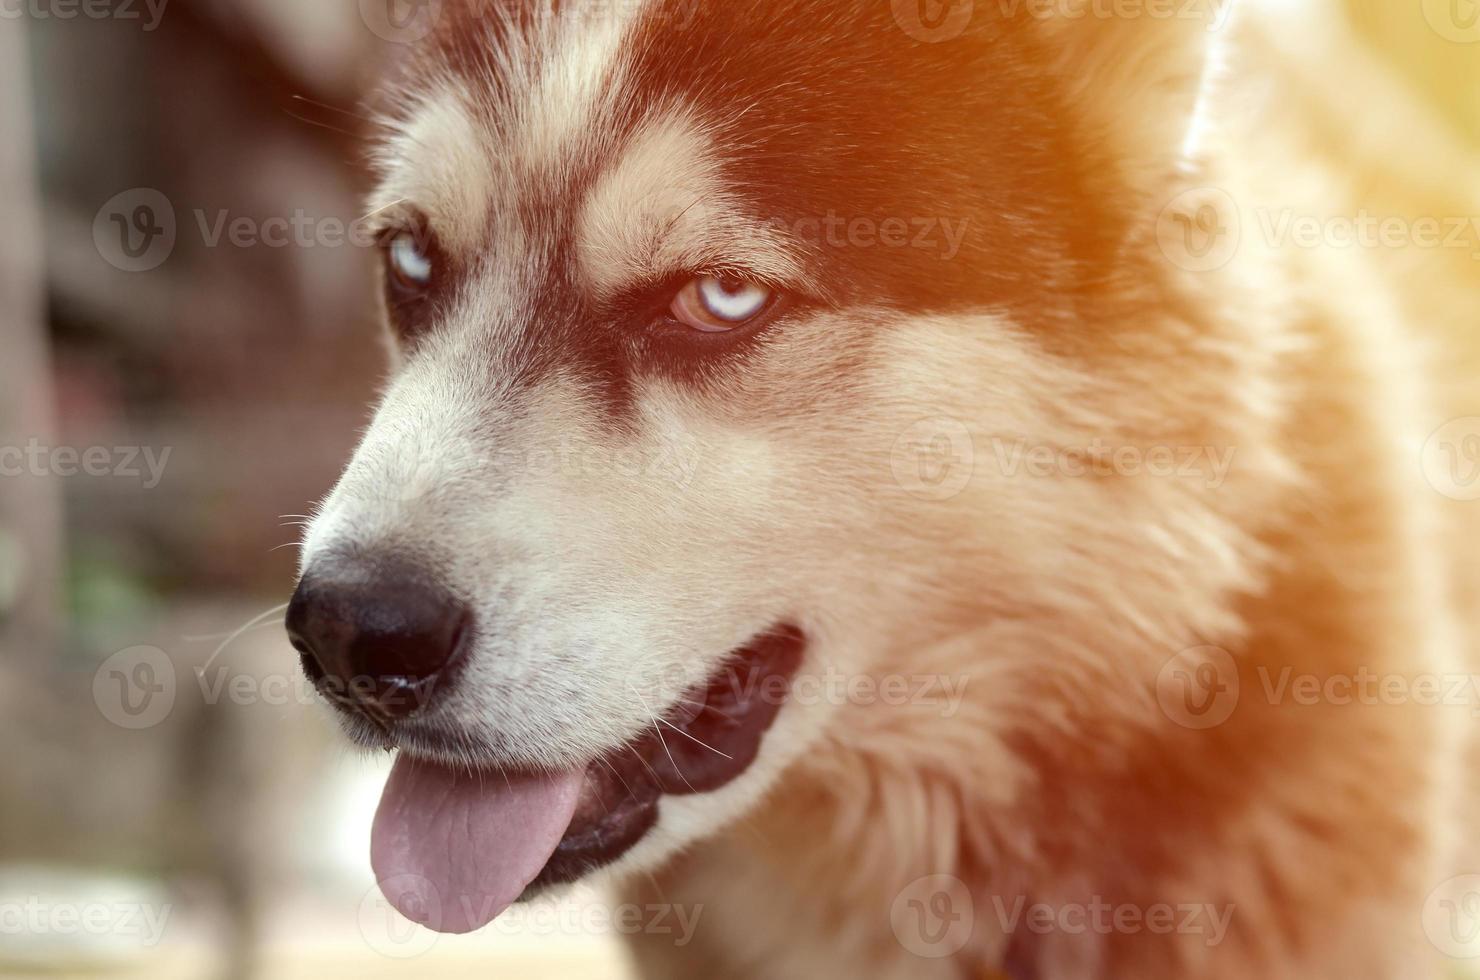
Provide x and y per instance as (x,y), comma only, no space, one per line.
(455,845)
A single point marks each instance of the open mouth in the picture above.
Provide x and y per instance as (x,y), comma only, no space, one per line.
(453,848)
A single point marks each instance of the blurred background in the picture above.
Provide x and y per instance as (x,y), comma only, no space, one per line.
(188,345)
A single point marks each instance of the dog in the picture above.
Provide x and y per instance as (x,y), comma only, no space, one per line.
(903,479)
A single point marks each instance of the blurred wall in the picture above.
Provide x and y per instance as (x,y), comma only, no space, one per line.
(250,364)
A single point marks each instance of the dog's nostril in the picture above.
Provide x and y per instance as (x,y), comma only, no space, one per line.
(377,635)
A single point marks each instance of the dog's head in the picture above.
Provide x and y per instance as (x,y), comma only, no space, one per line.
(728,336)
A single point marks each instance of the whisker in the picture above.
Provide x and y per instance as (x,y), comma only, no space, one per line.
(387,207)
(661,740)
(321,125)
(333,108)
(693,739)
(651,771)
(257,620)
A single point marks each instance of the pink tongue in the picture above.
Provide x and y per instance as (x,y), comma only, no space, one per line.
(452,851)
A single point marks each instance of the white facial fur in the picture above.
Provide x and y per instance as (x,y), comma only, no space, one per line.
(611,568)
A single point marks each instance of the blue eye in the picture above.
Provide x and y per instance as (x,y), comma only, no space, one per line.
(716,304)
(409,261)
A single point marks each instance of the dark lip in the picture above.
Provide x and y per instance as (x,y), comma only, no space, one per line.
(708,740)
(700,751)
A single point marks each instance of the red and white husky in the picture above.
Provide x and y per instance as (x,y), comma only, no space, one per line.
(882,472)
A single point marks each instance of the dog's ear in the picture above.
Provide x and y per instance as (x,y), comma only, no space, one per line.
(1140,81)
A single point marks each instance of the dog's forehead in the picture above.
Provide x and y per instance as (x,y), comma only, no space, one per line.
(568,134)
(498,110)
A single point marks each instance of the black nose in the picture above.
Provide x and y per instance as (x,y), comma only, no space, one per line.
(375,636)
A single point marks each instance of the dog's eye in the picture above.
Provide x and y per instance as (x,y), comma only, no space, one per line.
(718,304)
(409,261)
